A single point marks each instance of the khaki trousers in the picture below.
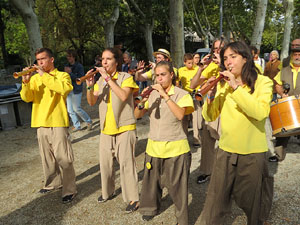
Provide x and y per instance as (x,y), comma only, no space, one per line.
(246,179)
(172,173)
(197,122)
(122,147)
(57,159)
(281,146)
(209,136)
(269,137)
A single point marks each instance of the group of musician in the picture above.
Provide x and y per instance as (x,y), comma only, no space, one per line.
(232,110)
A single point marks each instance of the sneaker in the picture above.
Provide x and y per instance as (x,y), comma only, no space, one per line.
(74,129)
(89,127)
(202,178)
(101,199)
(147,218)
(68,198)
(273,159)
(45,191)
(132,206)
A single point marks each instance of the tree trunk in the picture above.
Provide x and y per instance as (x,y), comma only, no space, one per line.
(25,7)
(287,28)
(176,31)
(2,42)
(259,23)
(148,29)
(109,27)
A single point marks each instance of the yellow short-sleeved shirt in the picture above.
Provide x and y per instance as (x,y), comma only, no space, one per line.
(167,149)
(277,78)
(212,70)
(185,75)
(110,126)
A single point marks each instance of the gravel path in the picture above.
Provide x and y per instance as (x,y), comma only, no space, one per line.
(21,177)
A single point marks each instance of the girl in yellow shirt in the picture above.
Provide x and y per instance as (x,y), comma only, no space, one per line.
(240,170)
(168,158)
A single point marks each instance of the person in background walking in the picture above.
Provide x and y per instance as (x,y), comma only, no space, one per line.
(75,69)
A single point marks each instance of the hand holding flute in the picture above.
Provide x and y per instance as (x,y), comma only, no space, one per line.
(231,79)
(26,73)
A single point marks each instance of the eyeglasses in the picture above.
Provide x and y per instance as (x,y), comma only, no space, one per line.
(295,45)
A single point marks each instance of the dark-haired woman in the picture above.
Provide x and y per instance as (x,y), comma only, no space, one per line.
(240,170)
(114,89)
(168,157)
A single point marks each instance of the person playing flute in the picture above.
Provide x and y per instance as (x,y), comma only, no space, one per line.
(114,90)
(240,170)
(168,157)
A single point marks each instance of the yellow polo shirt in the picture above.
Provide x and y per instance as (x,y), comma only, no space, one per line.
(242,116)
(167,149)
(185,76)
(48,95)
(110,125)
(277,78)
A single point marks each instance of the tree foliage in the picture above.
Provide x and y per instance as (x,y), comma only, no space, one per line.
(79,24)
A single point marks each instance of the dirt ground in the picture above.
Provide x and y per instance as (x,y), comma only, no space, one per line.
(21,177)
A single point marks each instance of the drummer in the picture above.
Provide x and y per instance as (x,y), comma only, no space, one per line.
(288,75)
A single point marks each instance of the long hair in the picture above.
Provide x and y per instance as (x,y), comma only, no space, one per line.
(222,40)
(169,67)
(117,53)
(249,70)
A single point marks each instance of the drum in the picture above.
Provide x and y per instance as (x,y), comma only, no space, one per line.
(285,116)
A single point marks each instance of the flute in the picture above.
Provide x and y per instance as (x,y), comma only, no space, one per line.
(133,71)
(24,72)
(139,98)
(87,76)
(203,91)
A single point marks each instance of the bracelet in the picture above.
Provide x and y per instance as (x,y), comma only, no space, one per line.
(108,78)
(141,106)
(210,97)
(90,87)
(167,100)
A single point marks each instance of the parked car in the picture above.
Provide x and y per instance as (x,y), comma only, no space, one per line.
(203,51)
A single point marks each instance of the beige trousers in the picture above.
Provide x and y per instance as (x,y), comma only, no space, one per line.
(197,122)
(269,137)
(209,136)
(122,147)
(57,159)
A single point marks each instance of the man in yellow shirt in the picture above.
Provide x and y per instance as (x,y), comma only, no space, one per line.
(288,75)
(210,130)
(185,75)
(160,55)
(48,90)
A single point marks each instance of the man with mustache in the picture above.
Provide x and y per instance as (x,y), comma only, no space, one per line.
(288,75)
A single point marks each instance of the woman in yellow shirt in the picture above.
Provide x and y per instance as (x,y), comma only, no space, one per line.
(115,90)
(168,157)
(240,170)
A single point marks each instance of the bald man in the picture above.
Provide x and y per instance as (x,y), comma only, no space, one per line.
(295,44)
